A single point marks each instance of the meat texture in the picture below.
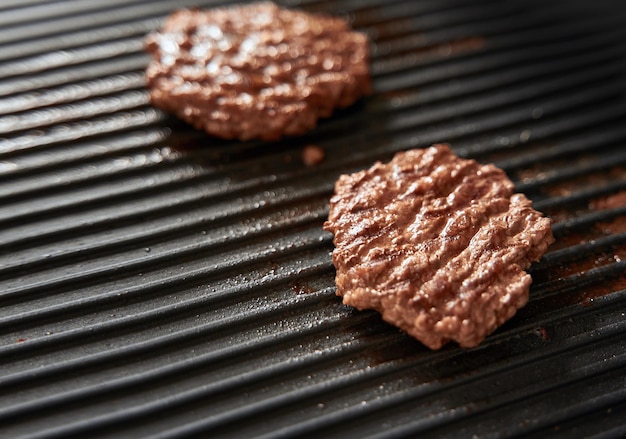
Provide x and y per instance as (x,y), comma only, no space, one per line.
(256,71)
(437,244)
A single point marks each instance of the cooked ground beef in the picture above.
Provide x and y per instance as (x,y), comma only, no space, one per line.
(312,155)
(435,243)
(256,71)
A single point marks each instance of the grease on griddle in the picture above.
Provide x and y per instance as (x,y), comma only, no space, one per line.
(612,201)
(426,53)
(300,287)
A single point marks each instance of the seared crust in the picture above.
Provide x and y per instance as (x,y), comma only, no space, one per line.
(255,71)
(437,244)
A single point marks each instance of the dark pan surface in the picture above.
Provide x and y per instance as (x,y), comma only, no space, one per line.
(158,282)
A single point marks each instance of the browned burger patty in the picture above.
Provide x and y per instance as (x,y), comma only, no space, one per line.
(435,243)
(255,71)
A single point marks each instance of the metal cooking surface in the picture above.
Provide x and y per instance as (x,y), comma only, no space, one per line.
(158,282)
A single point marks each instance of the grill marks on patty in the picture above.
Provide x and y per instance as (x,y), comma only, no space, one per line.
(436,243)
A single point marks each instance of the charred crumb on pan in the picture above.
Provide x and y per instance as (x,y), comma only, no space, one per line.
(312,155)
(256,71)
(436,243)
